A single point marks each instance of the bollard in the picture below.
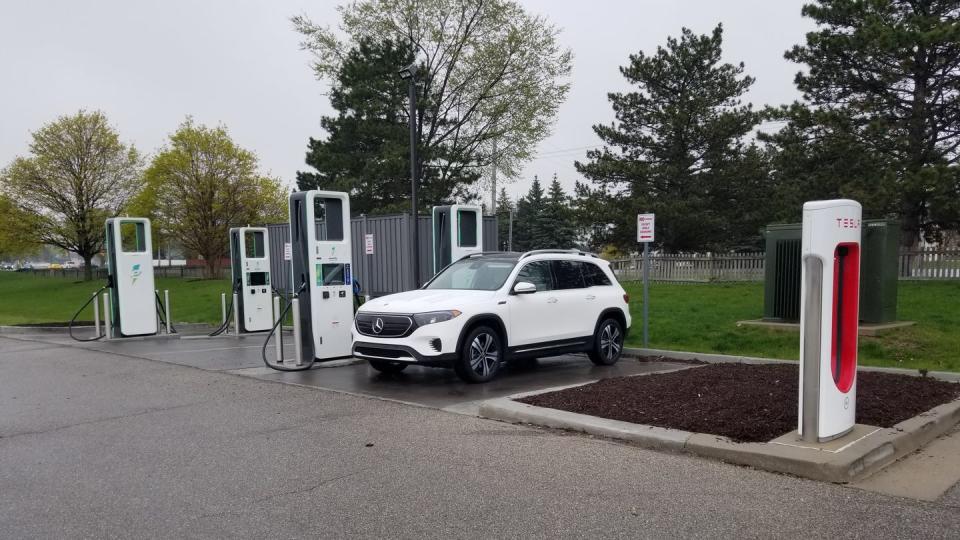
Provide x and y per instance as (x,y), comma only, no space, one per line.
(96,314)
(156,308)
(107,326)
(166,303)
(236,315)
(279,330)
(297,345)
(223,308)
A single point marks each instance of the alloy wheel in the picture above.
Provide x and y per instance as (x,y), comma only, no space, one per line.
(484,354)
(610,341)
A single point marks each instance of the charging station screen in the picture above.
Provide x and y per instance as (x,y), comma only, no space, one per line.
(257,278)
(331,274)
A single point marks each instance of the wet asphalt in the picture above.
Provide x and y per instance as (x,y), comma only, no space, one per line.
(121,441)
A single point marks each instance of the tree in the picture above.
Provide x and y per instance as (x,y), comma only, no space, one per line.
(78,174)
(487,71)
(203,184)
(529,228)
(888,73)
(677,148)
(504,208)
(367,149)
(558,217)
(15,230)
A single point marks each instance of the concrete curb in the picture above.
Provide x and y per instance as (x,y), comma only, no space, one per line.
(712,358)
(859,459)
(649,436)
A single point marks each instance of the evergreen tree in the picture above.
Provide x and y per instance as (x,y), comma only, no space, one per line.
(883,79)
(504,208)
(677,148)
(367,149)
(528,227)
(558,218)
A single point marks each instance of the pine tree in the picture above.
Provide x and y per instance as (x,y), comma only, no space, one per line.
(528,227)
(678,146)
(558,217)
(504,209)
(883,79)
(367,150)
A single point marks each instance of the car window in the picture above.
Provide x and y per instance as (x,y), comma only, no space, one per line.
(593,275)
(568,274)
(473,274)
(538,273)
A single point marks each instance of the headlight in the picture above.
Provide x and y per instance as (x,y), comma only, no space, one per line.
(431,317)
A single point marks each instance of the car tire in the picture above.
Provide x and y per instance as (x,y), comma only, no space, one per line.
(480,356)
(384,366)
(607,343)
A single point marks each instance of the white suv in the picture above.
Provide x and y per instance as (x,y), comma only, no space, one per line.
(486,309)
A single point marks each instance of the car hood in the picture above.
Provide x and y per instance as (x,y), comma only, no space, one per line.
(421,300)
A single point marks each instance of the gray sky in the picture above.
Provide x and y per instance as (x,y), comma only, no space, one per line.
(148,65)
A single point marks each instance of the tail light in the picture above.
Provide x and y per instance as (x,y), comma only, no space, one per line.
(626,298)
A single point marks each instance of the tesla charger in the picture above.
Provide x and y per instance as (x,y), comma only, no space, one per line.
(321,271)
(830,290)
(457,232)
(133,310)
(250,267)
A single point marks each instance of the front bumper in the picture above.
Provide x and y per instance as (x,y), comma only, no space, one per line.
(396,352)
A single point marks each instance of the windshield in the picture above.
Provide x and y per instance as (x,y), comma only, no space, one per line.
(473,274)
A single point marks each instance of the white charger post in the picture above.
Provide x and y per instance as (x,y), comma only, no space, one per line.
(829,314)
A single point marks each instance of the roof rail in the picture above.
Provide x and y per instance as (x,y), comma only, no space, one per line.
(558,251)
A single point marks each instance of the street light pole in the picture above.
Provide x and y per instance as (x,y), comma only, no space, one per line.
(410,74)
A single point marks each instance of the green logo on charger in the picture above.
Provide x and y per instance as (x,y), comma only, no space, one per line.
(135,272)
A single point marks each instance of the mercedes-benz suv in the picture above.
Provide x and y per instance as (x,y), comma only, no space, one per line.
(486,309)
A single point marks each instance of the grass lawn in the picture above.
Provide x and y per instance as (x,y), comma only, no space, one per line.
(702,318)
(30,299)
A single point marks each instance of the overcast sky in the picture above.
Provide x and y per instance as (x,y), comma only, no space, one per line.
(148,65)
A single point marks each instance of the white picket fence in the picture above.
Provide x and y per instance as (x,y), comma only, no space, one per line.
(926,263)
(695,267)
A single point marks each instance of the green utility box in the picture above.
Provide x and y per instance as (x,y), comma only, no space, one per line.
(879,249)
(879,270)
(781,273)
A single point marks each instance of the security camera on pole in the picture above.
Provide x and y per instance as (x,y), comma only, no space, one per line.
(829,313)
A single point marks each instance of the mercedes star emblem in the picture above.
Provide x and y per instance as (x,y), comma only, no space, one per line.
(378,326)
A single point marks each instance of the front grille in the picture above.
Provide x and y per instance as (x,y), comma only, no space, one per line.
(381,353)
(389,325)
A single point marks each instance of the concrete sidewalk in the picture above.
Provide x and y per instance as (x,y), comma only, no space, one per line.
(97,444)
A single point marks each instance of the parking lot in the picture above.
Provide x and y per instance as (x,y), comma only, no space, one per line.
(101,441)
(426,387)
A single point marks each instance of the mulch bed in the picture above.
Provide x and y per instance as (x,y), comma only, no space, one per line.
(747,403)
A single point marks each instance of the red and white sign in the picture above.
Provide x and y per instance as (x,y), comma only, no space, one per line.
(644,228)
(368,244)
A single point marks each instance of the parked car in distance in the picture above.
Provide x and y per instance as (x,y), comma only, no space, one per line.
(486,309)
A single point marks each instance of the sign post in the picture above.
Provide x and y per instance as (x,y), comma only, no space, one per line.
(645,235)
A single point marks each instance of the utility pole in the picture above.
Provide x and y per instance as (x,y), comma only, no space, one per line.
(409,74)
(493,180)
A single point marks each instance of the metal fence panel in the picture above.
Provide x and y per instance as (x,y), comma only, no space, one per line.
(389,269)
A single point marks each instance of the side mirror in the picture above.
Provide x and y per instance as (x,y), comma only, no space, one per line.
(524,287)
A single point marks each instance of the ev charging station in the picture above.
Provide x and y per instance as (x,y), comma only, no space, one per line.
(322,280)
(457,232)
(250,269)
(132,298)
(829,314)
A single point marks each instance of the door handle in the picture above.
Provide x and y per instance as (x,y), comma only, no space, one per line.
(591,297)
(552,300)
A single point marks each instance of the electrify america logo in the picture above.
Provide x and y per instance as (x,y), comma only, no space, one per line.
(135,272)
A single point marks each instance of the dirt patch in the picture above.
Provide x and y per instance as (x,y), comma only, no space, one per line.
(747,403)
